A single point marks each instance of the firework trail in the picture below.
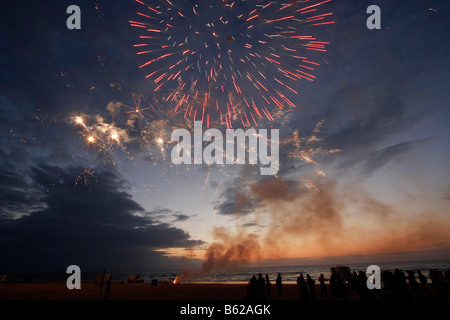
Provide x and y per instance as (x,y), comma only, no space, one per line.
(229,61)
(102,136)
(304,149)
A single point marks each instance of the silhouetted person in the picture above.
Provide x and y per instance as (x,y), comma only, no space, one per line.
(387,280)
(252,289)
(447,283)
(342,289)
(323,287)
(268,285)
(361,285)
(279,285)
(301,283)
(311,283)
(423,281)
(108,288)
(437,280)
(400,286)
(354,280)
(333,285)
(413,284)
(261,284)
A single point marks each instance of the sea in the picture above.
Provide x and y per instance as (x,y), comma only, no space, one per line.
(241,275)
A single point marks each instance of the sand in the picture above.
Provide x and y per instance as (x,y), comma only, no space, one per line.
(135,300)
(143,291)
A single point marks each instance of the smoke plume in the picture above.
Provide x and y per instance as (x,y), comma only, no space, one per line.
(321,222)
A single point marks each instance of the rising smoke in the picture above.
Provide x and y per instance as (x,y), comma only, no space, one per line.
(312,223)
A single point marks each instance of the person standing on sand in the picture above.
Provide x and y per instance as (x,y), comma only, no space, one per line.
(301,283)
(413,284)
(311,283)
(279,285)
(423,281)
(268,285)
(261,284)
(252,289)
(323,287)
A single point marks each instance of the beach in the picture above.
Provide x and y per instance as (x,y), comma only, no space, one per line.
(139,291)
(133,300)
(146,291)
(134,291)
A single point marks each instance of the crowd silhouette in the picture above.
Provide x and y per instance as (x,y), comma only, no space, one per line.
(395,285)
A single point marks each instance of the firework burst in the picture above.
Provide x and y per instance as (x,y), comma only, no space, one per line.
(102,136)
(229,61)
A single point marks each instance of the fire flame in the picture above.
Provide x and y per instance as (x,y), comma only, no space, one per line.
(176,278)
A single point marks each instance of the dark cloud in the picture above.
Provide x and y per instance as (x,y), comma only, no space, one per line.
(373,115)
(236,196)
(362,120)
(379,158)
(19,195)
(16,195)
(160,212)
(235,201)
(180,217)
(250,224)
(90,225)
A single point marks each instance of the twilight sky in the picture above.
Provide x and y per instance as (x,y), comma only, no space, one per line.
(379,97)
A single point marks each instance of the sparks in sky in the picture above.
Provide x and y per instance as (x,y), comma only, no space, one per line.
(115,136)
(229,61)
